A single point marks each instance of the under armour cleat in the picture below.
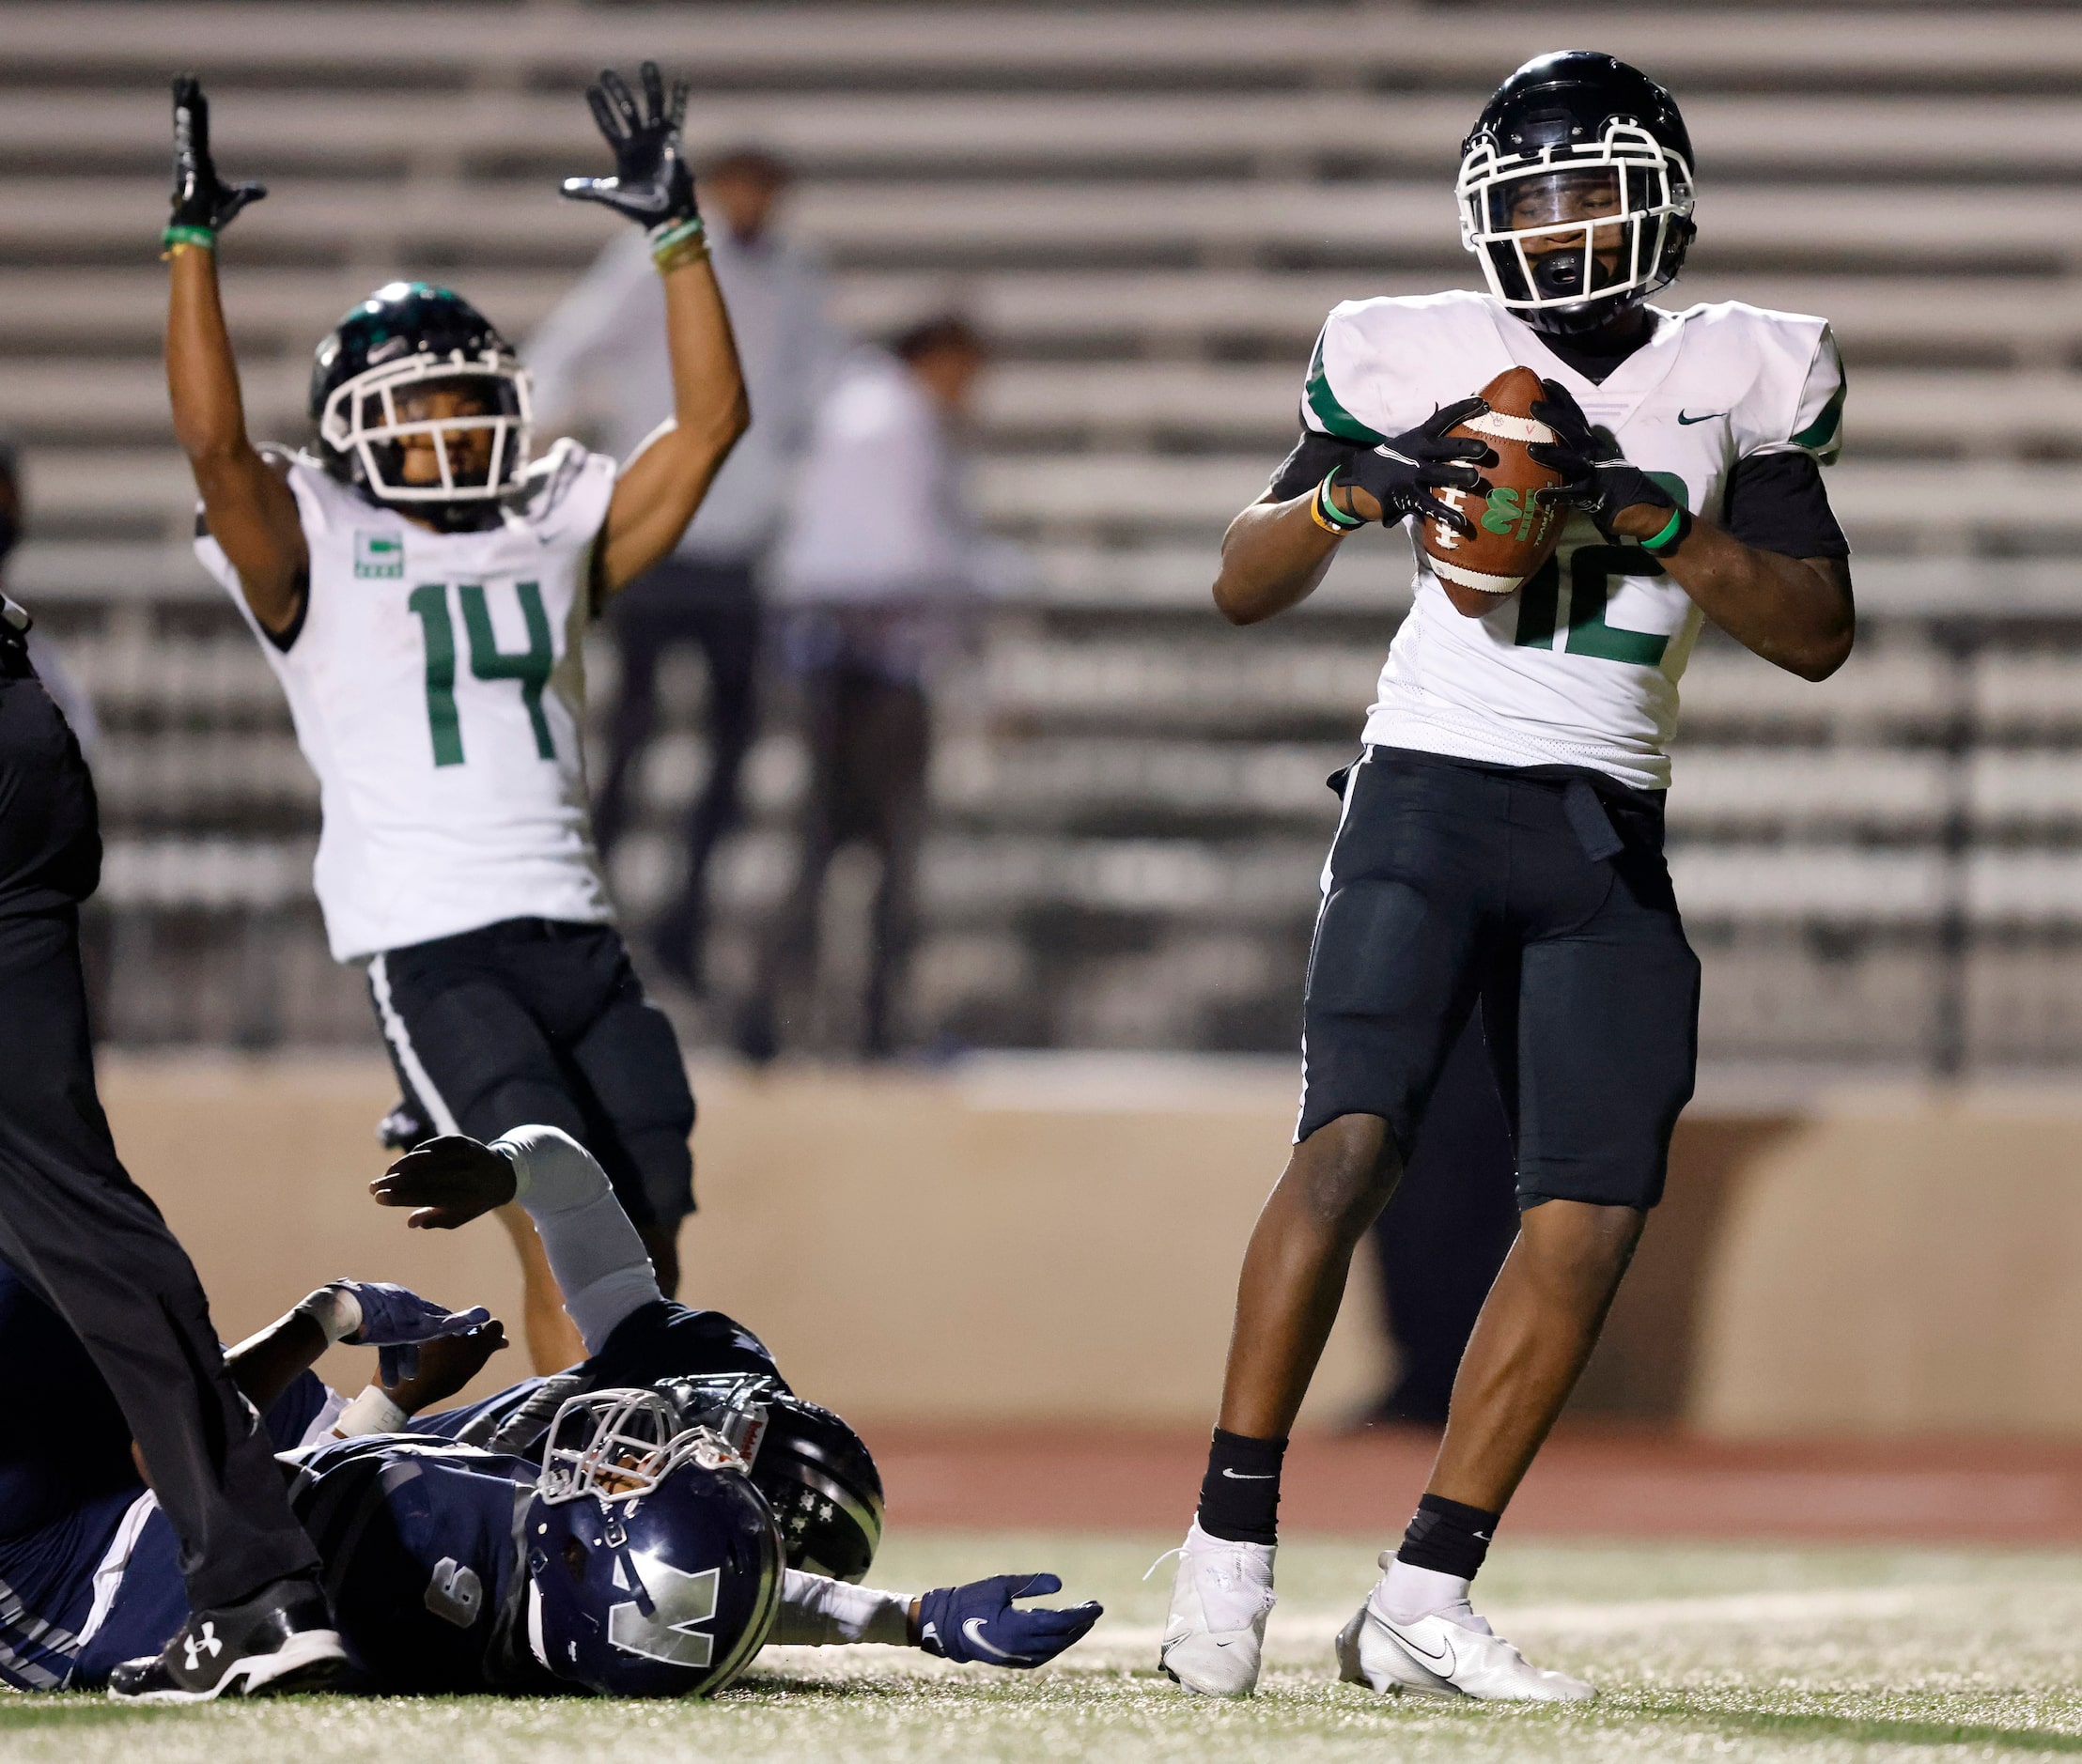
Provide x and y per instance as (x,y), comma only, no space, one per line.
(1215,1632)
(281,1639)
(1434,1656)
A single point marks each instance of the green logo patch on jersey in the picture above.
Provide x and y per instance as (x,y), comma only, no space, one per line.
(381,555)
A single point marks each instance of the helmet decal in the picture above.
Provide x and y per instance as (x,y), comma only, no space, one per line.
(654,1565)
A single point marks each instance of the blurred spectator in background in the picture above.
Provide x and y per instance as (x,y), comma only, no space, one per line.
(65,690)
(881,564)
(1439,1244)
(600,362)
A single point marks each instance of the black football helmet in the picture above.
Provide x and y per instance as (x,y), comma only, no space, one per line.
(412,334)
(654,1568)
(1579,147)
(816,1472)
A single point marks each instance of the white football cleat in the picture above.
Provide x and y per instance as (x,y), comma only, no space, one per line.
(1434,1656)
(1215,1632)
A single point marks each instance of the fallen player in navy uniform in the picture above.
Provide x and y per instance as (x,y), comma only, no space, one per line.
(93,1579)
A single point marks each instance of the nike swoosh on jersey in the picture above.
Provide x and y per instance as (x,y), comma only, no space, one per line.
(1684,420)
(1245,1475)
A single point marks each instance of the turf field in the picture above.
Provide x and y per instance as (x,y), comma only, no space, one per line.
(1701,1653)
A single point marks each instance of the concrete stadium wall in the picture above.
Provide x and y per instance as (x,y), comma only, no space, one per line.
(1058,1239)
(1002,1245)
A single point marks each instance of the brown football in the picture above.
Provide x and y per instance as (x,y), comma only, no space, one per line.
(1515,532)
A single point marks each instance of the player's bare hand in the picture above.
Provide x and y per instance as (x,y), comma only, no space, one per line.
(448,1182)
(446,1364)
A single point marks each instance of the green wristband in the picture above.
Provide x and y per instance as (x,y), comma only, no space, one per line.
(1331,514)
(180,235)
(1663,538)
(670,236)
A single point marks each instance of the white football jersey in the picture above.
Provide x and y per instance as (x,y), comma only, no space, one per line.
(1580,666)
(437,685)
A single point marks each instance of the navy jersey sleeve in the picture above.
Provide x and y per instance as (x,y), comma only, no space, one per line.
(290,1414)
(667,1340)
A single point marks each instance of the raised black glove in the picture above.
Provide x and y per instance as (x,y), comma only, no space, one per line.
(652,183)
(1403,470)
(202,200)
(1596,476)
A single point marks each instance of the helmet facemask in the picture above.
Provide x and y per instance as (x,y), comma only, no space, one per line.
(387,417)
(618,1445)
(1568,235)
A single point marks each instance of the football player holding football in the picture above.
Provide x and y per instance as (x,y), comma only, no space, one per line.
(1500,839)
(419,581)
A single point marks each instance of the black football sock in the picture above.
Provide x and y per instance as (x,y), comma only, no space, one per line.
(1239,1496)
(1448,1536)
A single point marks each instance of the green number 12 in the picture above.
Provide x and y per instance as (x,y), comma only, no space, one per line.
(487,661)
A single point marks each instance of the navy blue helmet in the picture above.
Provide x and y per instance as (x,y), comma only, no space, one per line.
(654,1566)
(1575,190)
(816,1473)
(370,386)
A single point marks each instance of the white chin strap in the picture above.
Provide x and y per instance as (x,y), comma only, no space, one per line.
(535,1643)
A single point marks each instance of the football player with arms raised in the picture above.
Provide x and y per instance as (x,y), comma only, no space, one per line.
(419,583)
(1502,836)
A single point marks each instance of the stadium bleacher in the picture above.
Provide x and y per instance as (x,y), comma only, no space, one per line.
(1150,208)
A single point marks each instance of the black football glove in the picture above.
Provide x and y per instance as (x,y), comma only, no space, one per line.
(1404,469)
(201,198)
(652,183)
(1596,476)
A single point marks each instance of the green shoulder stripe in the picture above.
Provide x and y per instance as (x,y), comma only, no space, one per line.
(1334,417)
(1821,434)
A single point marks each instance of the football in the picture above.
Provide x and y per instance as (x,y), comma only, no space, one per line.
(1515,532)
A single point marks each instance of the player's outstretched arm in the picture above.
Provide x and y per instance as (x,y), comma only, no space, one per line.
(1796,612)
(1275,553)
(250,510)
(595,1252)
(977,1623)
(662,485)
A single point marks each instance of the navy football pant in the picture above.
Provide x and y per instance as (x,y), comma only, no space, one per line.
(1544,895)
(541,1021)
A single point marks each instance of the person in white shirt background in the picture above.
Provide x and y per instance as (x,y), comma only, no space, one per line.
(600,364)
(876,581)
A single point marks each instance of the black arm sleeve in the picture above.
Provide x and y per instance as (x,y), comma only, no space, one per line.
(1778,503)
(1312,457)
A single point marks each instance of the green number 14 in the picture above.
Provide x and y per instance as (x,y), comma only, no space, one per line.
(487,661)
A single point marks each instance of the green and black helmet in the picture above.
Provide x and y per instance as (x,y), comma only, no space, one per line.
(370,384)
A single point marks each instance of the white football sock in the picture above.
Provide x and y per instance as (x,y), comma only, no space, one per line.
(1405,1594)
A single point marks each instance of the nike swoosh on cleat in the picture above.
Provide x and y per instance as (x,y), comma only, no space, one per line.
(1445,1654)
(1684,420)
(1240,1476)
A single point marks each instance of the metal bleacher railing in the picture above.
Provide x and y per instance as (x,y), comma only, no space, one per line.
(1150,209)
